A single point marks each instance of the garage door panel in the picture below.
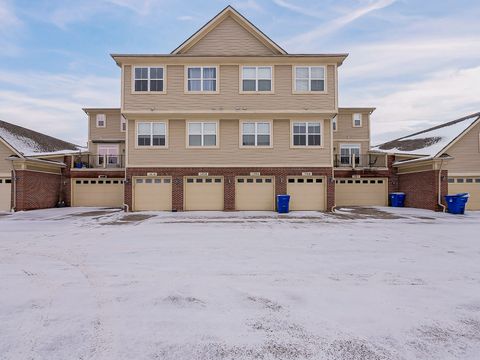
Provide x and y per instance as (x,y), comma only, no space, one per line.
(152,194)
(5,194)
(255,194)
(97,192)
(306,193)
(361,192)
(469,185)
(204,193)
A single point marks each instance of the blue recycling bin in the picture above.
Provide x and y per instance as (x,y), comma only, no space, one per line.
(397,199)
(456,203)
(283,203)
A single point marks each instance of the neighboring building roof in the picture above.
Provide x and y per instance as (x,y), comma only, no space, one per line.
(430,142)
(31,143)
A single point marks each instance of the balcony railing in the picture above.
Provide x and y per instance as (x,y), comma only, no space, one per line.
(360,161)
(89,161)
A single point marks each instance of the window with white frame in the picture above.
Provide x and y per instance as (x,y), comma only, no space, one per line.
(151,134)
(357,120)
(108,155)
(123,123)
(349,152)
(256,134)
(101,120)
(148,79)
(256,78)
(307,133)
(334,124)
(309,78)
(202,79)
(202,134)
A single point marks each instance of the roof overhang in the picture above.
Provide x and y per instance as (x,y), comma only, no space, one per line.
(89,110)
(356,109)
(422,160)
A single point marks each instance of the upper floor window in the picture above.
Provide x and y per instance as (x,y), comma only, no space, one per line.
(309,78)
(123,123)
(256,133)
(148,79)
(151,134)
(307,133)
(334,124)
(202,79)
(257,79)
(101,120)
(202,134)
(357,120)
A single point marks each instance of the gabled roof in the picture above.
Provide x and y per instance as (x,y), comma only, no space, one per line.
(217,19)
(26,142)
(432,142)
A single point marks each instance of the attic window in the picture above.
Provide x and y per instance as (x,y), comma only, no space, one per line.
(101,120)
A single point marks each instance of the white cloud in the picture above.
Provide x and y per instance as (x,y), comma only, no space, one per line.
(307,11)
(185,18)
(10,25)
(248,5)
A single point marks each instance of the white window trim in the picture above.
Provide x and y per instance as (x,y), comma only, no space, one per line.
(107,146)
(294,79)
(217,134)
(123,121)
(353,120)
(203,92)
(148,92)
(350,146)
(322,122)
(137,122)
(104,120)
(240,88)
(335,120)
(240,131)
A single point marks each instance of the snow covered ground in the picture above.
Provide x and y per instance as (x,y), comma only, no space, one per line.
(361,284)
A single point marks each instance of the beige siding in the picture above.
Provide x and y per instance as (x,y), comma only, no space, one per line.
(5,165)
(229,38)
(111,131)
(229,97)
(466,153)
(345,129)
(229,153)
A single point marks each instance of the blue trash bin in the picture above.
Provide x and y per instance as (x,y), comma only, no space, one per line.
(397,199)
(283,203)
(456,203)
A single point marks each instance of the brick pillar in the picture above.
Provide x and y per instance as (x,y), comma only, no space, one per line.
(229,193)
(127,190)
(330,191)
(177,193)
(66,181)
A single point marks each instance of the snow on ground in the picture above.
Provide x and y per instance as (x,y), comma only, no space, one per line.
(361,284)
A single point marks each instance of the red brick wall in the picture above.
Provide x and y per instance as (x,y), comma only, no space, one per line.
(421,189)
(229,175)
(37,190)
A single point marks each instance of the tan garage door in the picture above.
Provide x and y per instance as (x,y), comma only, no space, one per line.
(152,193)
(203,193)
(467,184)
(306,193)
(361,192)
(254,193)
(5,194)
(97,192)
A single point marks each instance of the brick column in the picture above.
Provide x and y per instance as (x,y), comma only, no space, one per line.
(229,193)
(177,193)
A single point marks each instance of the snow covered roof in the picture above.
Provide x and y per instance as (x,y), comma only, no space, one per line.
(429,142)
(31,143)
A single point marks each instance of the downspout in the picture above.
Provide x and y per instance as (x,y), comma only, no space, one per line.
(440,187)
(14,182)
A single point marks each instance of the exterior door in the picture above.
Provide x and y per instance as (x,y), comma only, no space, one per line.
(361,192)
(306,193)
(203,193)
(97,192)
(108,156)
(466,184)
(255,193)
(5,194)
(349,152)
(152,193)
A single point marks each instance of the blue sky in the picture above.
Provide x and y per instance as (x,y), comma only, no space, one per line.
(416,61)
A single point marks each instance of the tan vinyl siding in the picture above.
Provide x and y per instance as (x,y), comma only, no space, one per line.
(112,129)
(415,168)
(229,153)
(229,98)
(466,153)
(229,38)
(5,165)
(346,130)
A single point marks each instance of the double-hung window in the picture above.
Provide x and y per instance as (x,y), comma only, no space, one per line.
(151,134)
(148,79)
(257,78)
(256,134)
(202,79)
(349,152)
(309,79)
(202,134)
(357,120)
(307,133)
(101,120)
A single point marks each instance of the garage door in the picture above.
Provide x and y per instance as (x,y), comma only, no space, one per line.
(466,184)
(306,193)
(97,192)
(203,193)
(5,194)
(152,193)
(254,193)
(361,192)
